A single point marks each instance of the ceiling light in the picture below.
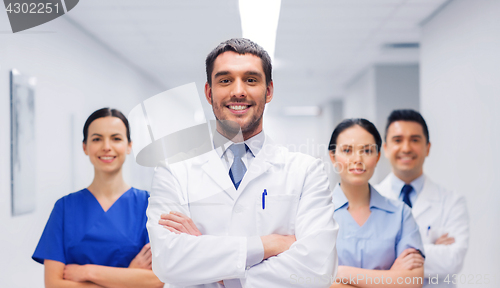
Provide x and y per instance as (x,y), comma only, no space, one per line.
(259,22)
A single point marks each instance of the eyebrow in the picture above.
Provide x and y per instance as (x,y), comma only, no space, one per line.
(411,136)
(96,134)
(254,73)
(350,145)
(224,73)
(221,73)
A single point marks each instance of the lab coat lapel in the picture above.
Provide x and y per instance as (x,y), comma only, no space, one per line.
(264,160)
(215,169)
(385,189)
(427,198)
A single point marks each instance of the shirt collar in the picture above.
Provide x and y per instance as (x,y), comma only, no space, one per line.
(417,184)
(380,202)
(376,200)
(339,199)
(254,143)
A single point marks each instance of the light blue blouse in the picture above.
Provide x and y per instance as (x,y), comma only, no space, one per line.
(389,230)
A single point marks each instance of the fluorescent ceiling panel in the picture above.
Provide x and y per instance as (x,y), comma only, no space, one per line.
(259,22)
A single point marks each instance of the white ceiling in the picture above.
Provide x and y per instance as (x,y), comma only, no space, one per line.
(321,45)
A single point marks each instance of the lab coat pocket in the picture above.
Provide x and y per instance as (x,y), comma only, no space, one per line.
(276,214)
(432,233)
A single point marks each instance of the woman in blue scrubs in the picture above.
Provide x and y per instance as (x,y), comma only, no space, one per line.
(379,243)
(97,237)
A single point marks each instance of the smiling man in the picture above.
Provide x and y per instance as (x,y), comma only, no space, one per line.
(440,214)
(213,220)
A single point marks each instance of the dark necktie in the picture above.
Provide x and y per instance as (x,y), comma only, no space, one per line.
(238,168)
(406,194)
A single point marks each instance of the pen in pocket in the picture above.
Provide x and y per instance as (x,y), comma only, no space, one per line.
(264,199)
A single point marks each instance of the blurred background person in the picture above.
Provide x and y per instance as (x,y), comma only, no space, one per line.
(378,237)
(97,237)
(441,214)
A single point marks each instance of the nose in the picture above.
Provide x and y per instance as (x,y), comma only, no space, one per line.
(357,157)
(239,88)
(406,146)
(106,145)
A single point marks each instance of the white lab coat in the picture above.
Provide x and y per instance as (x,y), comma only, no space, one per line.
(298,202)
(445,212)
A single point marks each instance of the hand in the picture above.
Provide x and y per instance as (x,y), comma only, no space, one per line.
(143,259)
(77,273)
(179,223)
(275,244)
(408,259)
(445,240)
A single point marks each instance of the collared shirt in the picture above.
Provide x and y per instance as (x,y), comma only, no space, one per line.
(417,184)
(255,248)
(222,144)
(388,231)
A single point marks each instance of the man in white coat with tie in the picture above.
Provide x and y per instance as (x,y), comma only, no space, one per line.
(230,217)
(441,214)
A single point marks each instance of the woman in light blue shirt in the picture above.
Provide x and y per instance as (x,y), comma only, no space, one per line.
(379,243)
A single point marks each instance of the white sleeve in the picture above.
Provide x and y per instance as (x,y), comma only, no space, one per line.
(183,259)
(312,259)
(449,259)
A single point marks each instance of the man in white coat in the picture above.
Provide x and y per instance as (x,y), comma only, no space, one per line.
(441,214)
(230,217)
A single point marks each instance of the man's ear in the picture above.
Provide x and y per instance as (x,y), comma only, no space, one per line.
(208,93)
(428,149)
(385,150)
(269,92)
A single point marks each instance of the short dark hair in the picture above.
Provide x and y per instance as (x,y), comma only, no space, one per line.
(240,46)
(348,123)
(105,112)
(407,115)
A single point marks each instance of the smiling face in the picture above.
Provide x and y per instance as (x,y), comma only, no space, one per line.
(107,145)
(406,148)
(355,156)
(238,93)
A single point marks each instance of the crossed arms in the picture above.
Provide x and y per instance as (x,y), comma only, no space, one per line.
(138,274)
(408,266)
(184,259)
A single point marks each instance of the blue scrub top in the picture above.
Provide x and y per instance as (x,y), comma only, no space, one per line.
(80,232)
(389,230)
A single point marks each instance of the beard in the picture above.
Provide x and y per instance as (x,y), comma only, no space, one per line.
(231,128)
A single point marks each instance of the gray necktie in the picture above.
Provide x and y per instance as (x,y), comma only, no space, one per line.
(238,168)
